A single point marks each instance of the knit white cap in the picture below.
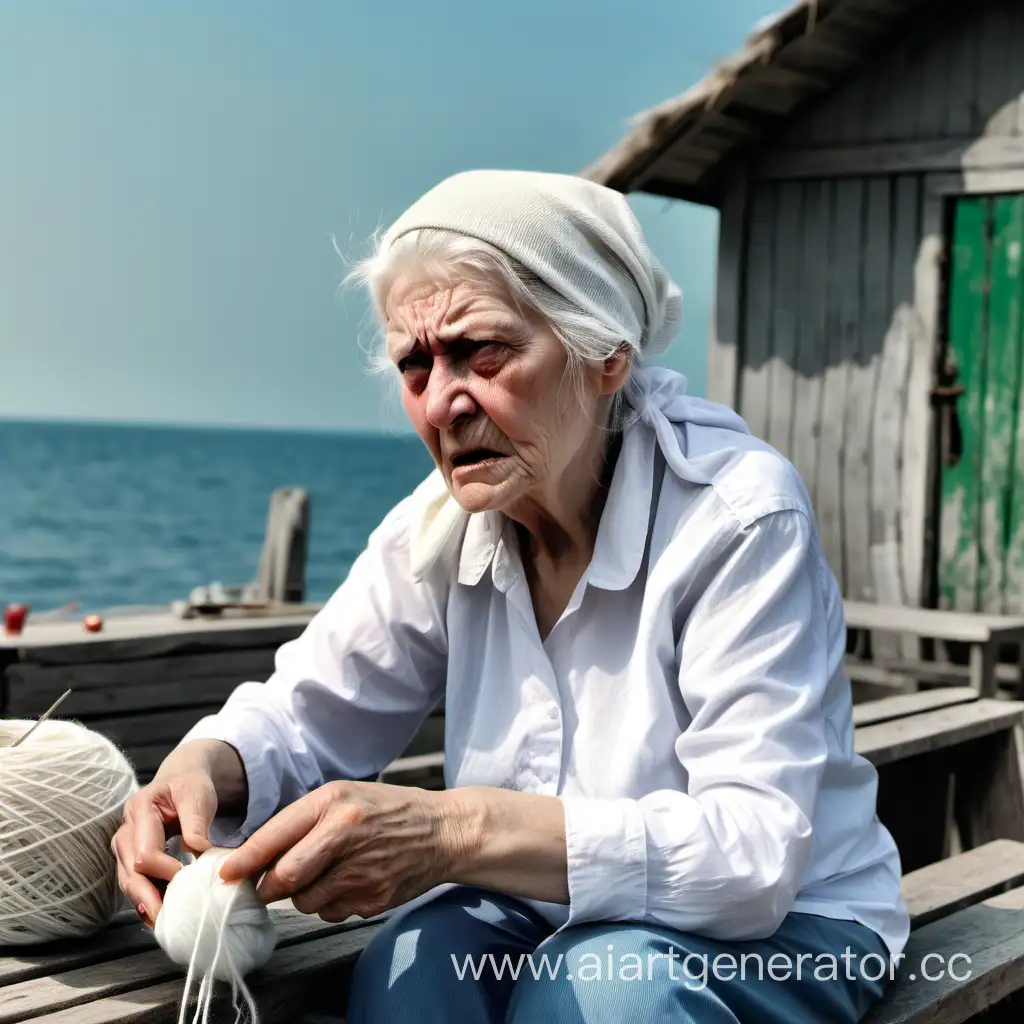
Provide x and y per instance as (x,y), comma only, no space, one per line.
(578,237)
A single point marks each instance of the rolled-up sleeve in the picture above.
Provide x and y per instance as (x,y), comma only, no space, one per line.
(725,858)
(346,696)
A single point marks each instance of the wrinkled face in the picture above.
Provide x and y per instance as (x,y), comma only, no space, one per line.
(488,391)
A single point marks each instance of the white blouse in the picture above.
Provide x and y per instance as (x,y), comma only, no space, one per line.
(689,708)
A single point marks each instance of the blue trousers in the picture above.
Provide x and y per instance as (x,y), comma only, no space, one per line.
(478,957)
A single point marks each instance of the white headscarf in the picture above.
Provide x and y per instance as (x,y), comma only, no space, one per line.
(584,242)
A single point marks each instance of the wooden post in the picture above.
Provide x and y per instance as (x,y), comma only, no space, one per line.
(282,569)
(990,788)
(983,668)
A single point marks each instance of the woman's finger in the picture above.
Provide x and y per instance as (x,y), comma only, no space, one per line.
(143,894)
(303,865)
(282,832)
(151,857)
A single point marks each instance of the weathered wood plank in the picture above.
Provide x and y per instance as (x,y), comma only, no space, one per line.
(888,709)
(886,118)
(901,342)
(828,480)
(835,117)
(952,76)
(885,341)
(874,682)
(811,328)
(1000,77)
(957,627)
(947,886)
(149,987)
(248,664)
(107,700)
(935,730)
(917,433)
(154,727)
(727,324)
(942,672)
(884,159)
(959,527)
(132,638)
(984,946)
(757,340)
(886,470)
(145,758)
(850,209)
(930,84)
(897,111)
(786,298)
(124,935)
(961,75)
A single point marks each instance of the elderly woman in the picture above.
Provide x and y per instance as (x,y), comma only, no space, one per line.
(653,806)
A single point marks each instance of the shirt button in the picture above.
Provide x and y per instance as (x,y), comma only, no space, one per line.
(553,712)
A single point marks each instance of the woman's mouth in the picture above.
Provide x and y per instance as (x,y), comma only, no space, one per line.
(477,458)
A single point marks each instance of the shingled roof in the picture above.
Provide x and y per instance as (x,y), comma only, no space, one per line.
(683,147)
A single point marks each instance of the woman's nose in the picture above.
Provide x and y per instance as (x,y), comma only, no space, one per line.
(447,398)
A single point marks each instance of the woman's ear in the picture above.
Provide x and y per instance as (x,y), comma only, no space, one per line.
(615,370)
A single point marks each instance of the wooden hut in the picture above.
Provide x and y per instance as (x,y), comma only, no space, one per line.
(867,160)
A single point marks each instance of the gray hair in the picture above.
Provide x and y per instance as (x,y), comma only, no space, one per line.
(440,252)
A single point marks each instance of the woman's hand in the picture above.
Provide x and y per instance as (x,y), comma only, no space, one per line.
(182,805)
(194,782)
(365,847)
(351,848)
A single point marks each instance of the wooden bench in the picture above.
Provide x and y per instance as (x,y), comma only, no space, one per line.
(966,948)
(950,769)
(984,635)
(970,906)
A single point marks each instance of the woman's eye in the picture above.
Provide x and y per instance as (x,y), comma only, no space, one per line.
(484,348)
(414,361)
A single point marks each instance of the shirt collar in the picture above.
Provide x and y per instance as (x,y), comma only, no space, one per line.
(621,535)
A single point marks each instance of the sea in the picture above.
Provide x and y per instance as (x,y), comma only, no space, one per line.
(119,517)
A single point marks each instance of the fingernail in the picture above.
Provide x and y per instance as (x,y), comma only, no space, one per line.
(141,911)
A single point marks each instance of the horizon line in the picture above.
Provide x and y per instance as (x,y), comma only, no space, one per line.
(91,421)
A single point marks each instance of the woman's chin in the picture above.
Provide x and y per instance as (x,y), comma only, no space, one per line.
(477,496)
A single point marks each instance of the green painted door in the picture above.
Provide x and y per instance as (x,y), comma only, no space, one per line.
(981,542)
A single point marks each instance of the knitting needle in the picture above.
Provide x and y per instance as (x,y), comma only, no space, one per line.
(42,718)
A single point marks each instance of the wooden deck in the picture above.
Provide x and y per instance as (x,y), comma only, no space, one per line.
(145,680)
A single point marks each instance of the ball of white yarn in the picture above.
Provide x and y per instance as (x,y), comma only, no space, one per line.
(221,929)
(62,795)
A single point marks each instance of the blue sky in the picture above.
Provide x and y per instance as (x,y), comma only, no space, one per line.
(173,175)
